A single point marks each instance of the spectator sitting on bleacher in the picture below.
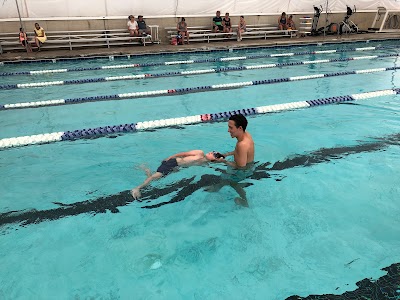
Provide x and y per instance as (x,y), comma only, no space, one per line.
(241,28)
(182,30)
(40,35)
(217,22)
(290,23)
(23,39)
(226,22)
(132,26)
(143,28)
(282,22)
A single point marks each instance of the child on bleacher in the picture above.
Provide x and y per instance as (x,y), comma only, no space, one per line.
(290,23)
(23,39)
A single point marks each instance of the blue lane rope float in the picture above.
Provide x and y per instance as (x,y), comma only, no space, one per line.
(183,73)
(183,90)
(204,118)
(206,50)
(171,63)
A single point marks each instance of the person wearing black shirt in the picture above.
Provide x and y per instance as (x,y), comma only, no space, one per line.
(217,22)
(143,28)
(226,22)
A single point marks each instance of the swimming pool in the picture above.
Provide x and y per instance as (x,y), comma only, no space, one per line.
(323,212)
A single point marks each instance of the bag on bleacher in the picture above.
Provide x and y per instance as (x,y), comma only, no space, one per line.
(179,39)
(174,41)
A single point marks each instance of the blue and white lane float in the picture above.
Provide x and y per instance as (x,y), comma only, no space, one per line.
(184,73)
(181,91)
(181,62)
(204,118)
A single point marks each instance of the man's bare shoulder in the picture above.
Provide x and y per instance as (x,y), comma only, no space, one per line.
(244,144)
(248,138)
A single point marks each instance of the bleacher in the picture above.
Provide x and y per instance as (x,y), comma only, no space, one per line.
(120,37)
(205,34)
(79,39)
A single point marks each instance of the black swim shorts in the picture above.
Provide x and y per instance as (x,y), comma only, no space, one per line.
(167,166)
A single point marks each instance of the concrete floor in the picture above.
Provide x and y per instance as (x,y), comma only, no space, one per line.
(162,48)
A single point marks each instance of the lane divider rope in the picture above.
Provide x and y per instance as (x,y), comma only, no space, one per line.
(180,91)
(125,128)
(181,73)
(181,62)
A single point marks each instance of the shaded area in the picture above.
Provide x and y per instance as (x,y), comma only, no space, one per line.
(386,287)
(186,187)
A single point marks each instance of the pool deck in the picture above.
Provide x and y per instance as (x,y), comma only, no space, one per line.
(166,48)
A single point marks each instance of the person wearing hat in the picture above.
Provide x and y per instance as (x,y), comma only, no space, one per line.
(143,28)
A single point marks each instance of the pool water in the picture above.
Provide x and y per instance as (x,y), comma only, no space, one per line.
(323,211)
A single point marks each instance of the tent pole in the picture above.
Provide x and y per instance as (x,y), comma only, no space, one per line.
(19,14)
(20,22)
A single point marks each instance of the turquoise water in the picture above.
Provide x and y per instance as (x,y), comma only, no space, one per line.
(313,226)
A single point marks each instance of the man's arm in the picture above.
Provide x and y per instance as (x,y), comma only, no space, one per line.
(228,163)
(229,153)
(240,155)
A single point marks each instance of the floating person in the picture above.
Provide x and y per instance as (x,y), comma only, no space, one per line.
(173,163)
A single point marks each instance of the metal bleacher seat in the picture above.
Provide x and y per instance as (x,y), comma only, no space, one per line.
(80,39)
(256,31)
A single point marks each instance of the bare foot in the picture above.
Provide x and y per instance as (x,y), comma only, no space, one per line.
(241,202)
(211,189)
(145,169)
(136,193)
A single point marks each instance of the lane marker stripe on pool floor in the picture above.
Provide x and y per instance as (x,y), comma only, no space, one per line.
(171,63)
(183,90)
(124,128)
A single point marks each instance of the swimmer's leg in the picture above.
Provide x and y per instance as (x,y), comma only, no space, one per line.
(135,192)
(242,200)
(145,169)
(214,188)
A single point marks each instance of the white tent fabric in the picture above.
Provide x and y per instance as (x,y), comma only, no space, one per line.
(159,8)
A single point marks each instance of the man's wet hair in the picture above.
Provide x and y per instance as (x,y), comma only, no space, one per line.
(239,120)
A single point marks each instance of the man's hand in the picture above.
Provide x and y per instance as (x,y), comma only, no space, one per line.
(136,193)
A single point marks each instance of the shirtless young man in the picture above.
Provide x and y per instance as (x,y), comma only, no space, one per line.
(244,150)
(182,159)
(243,156)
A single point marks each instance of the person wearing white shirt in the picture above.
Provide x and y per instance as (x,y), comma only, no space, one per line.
(133,26)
